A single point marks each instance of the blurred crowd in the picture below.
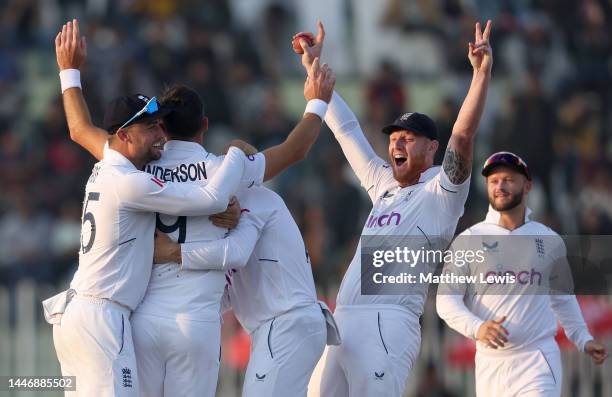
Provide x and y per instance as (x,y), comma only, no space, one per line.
(549,102)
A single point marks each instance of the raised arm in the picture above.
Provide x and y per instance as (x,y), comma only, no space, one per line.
(457,163)
(340,118)
(318,90)
(71,51)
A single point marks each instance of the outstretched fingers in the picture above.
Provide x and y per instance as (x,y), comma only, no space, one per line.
(75,31)
(321,32)
(487,31)
(315,69)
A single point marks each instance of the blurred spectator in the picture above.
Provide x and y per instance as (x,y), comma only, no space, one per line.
(24,242)
(595,202)
(528,128)
(65,235)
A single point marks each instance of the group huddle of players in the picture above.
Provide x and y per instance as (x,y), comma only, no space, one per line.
(173,235)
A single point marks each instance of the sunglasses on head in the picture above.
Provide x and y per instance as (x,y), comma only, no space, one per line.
(150,107)
(507,158)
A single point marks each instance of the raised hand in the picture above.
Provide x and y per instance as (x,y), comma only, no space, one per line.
(493,333)
(70,47)
(480,52)
(320,82)
(314,51)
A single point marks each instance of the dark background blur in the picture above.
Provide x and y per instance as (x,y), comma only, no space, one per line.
(550,102)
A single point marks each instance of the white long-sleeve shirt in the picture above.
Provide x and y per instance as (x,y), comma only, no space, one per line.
(428,210)
(118,222)
(268,270)
(173,292)
(535,254)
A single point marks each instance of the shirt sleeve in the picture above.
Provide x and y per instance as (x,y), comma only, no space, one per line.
(450,300)
(254,170)
(140,191)
(371,170)
(230,252)
(450,198)
(566,306)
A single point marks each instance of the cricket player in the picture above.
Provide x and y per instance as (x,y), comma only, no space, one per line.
(92,330)
(177,327)
(411,197)
(515,323)
(271,289)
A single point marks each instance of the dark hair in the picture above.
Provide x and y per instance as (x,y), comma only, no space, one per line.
(185,120)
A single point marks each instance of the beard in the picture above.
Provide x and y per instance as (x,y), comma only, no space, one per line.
(515,200)
(410,171)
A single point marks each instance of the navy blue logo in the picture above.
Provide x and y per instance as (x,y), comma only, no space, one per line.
(259,377)
(490,247)
(539,246)
(127,377)
(379,376)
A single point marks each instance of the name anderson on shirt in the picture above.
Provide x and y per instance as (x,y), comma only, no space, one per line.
(181,173)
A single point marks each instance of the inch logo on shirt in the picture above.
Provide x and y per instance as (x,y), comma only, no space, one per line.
(384,220)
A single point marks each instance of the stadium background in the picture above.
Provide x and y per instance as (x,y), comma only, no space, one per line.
(550,102)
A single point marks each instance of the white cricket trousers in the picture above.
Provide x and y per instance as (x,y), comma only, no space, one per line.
(93,342)
(284,352)
(535,371)
(176,357)
(379,346)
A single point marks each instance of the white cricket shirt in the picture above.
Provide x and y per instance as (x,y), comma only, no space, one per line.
(277,276)
(530,316)
(429,209)
(179,293)
(118,222)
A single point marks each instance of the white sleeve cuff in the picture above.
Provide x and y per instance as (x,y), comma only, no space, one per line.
(318,107)
(70,78)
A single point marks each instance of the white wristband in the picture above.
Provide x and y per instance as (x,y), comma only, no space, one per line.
(316,106)
(70,78)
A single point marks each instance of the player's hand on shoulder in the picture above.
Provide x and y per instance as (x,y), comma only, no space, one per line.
(229,218)
(166,250)
(597,351)
(246,147)
(319,82)
(70,46)
(493,333)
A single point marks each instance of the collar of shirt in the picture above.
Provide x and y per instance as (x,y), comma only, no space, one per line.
(493,216)
(425,176)
(113,157)
(184,146)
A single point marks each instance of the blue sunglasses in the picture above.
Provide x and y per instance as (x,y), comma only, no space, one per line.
(150,108)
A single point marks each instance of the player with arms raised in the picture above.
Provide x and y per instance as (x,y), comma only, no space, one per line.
(381,333)
(92,330)
(176,328)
